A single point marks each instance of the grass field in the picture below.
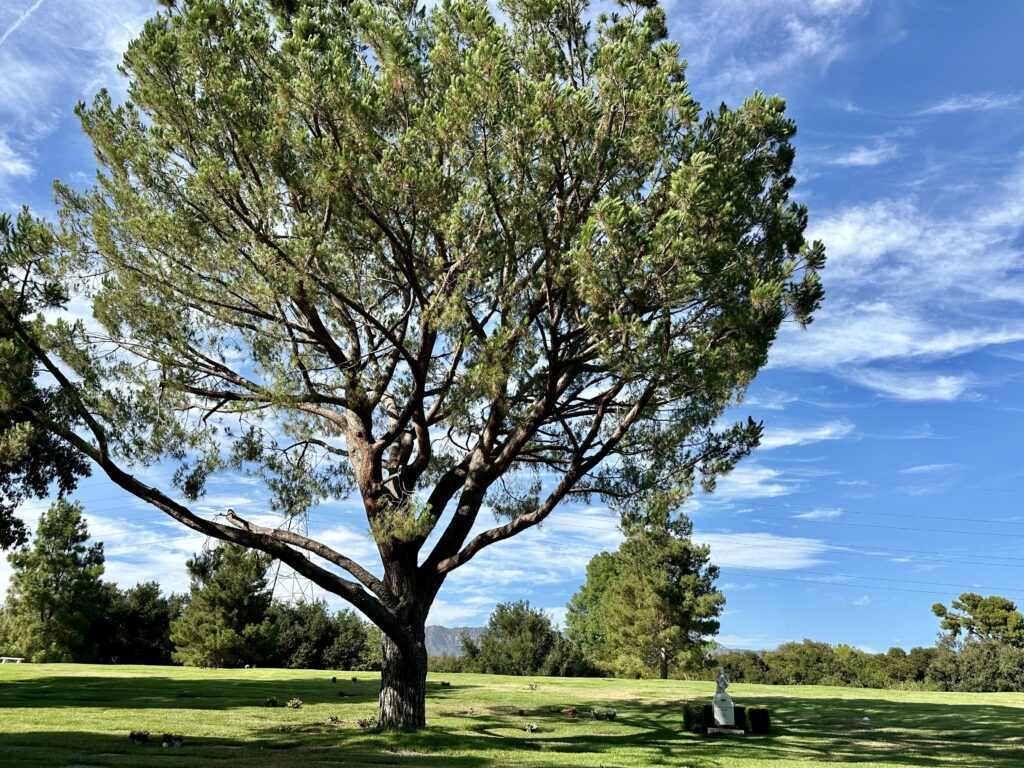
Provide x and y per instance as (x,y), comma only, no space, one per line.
(76,715)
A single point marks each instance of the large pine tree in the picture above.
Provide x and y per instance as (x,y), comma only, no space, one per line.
(55,595)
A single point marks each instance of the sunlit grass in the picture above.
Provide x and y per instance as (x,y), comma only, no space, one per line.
(78,715)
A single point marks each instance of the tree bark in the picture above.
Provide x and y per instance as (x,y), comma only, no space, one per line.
(663,664)
(403,683)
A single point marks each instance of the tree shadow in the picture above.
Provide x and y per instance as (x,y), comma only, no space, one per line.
(157,692)
(470,735)
(72,749)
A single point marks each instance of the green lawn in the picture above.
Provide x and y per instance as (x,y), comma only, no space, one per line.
(76,715)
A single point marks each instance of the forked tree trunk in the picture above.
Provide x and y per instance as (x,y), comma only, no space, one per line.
(403,684)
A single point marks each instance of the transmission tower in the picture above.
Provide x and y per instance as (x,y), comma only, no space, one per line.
(288,586)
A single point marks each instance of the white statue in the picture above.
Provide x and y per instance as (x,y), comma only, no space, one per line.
(722,679)
(725,714)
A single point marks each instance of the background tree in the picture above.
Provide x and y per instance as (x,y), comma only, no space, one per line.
(980,618)
(135,627)
(55,594)
(356,646)
(226,621)
(652,605)
(306,636)
(517,641)
(449,262)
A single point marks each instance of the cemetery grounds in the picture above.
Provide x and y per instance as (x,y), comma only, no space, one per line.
(71,715)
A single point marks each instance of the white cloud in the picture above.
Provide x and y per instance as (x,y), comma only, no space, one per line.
(927,468)
(736,46)
(976,102)
(22,18)
(820,514)
(83,43)
(12,163)
(763,550)
(911,386)
(752,481)
(864,156)
(781,437)
(862,601)
(905,284)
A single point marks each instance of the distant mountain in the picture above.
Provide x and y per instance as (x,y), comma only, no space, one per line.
(445,640)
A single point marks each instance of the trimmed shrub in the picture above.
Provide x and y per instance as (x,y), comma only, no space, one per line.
(695,717)
(740,717)
(759,720)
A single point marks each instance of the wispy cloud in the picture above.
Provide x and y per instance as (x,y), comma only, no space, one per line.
(921,469)
(866,156)
(20,20)
(976,102)
(12,163)
(907,285)
(782,437)
(820,514)
(763,550)
(911,386)
(739,45)
(752,481)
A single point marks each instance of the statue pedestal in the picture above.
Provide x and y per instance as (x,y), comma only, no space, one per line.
(723,709)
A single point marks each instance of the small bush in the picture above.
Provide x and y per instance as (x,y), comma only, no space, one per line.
(759,720)
(740,717)
(138,737)
(367,722)
(295,704)
(694,720)
(445,663)
(603,713)
(271,702)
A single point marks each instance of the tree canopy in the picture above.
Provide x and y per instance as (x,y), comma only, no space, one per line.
(55,596)
(650,605)
(226,622)
(447,260)
(977,618)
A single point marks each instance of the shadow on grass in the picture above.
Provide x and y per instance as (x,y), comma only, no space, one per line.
(63,749)
(819,730)
(486,735)
(155,692)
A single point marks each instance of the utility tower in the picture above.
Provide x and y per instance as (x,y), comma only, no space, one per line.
(288,586)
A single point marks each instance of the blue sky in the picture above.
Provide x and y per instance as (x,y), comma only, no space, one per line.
(890,475)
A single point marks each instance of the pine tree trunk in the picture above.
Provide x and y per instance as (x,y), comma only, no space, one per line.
(663,664)
(403,684)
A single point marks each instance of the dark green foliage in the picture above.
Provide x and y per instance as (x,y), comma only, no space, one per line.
(446,662)
(227,620)
(744,666)
(567,659)
(759,720)
(651,605)
(983,665)
(982,618)
(55,595)
(303,635)
(517,641)
(694,719)
(356,644)
(136,625)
